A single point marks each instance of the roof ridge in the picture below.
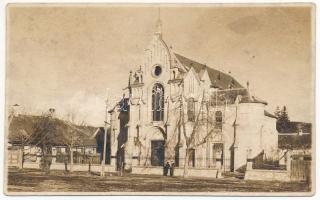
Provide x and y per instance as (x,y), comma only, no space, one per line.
(213,73)
(192,60)
(208,67)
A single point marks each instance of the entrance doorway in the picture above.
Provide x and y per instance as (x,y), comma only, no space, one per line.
(192,158)
(217,154)
(157,152)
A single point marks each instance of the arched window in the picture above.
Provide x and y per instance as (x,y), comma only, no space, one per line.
(157,102)
(191,110)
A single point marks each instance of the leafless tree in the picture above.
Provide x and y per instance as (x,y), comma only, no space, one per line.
(73,136)
(73,116)
(23,136)
(24,140)
(202,128)
(44,136)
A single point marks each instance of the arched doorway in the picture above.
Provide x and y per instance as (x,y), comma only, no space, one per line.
(157,146)
(157,152)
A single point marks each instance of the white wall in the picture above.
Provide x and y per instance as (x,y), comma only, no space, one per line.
(254,131)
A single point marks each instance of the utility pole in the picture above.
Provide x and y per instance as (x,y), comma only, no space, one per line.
(103,164)
(106,126)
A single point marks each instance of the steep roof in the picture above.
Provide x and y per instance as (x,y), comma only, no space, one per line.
(252,99)
(218,79)
(26,125)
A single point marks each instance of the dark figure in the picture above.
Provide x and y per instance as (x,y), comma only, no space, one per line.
(166,169)
(65,164)
(89,166)
(172,169)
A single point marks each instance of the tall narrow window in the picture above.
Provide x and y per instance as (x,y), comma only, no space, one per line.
(218,116)
(191,85)
(157,102)
(191,110)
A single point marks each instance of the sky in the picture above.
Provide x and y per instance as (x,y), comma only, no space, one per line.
(66,57)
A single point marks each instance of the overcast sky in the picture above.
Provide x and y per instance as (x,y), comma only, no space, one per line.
(67,57)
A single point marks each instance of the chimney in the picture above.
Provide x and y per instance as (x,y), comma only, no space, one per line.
(249,92)
(15,110)
(51,112)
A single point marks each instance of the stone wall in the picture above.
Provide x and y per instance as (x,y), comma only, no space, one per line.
(252,133)
(192,172)
(267,175)
(76,167)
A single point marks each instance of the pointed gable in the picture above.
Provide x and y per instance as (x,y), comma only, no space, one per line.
(191,82)
(217,78)
(204,76)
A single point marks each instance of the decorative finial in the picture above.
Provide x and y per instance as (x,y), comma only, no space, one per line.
(249,92)
(129,82)
(159,23)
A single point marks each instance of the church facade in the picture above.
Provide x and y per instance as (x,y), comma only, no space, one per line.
(180,111)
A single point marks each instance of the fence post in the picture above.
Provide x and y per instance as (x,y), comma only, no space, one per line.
(21,157)
(89,167)
(288,161)
(54,155)
(249,160)
(38,155)
(288,165)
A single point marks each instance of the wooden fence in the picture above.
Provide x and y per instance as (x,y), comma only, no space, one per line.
(301,170)
(78,158)
(13,158)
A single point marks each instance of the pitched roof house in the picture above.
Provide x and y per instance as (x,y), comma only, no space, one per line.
(23,127)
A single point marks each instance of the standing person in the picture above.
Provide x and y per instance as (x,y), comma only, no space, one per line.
(166,169)
(89,167)
(172,169)
(65,159)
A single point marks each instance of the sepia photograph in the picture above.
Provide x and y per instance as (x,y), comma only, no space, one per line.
(160,99)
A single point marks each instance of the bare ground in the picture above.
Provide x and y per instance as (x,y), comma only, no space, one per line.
(31,180)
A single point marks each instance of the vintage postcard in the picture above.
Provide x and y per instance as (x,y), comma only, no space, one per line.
(162,99)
